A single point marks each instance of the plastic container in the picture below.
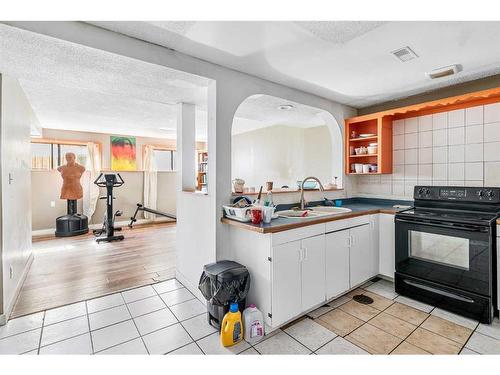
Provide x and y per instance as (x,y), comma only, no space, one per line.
(253,323)
(231,330)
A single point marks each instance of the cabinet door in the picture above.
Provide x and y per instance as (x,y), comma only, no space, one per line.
(360,254)
(374,242)
(386,245)
(286,282)
(313,271)
(337,263)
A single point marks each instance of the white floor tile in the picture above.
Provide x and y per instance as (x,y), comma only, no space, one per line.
(108,317)
(211,345)
(191,349)
(250,351)
(310,334)
(20,325)
(415,304)
(106,302)
(340,345)
(198,327)
(145,306)
(138,293)
(188,309)
(483,344)
(339,301)
(64,313)
(135,346)
(154,321)
(114,335)
(281,343)
(75,345)
(167,286)
(176,296)
(22,343)
(166,339)
(319,311)
(492,330)
(384,288)
(454,318)
(64,330)
(466,351)
(31,352)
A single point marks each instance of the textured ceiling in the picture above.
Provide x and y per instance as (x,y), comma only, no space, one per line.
(346,61)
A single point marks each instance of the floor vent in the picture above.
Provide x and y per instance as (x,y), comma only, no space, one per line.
(365,300)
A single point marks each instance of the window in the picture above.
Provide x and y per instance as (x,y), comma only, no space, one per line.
(164,160)
(51,155)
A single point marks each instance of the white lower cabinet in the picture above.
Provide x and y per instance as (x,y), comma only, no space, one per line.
(360,267)
(387,245)
(337,263)
(313,271)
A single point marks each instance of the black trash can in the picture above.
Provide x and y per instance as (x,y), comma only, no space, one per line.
(221,283)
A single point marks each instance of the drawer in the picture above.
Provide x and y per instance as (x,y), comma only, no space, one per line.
(297,234)
(336,225)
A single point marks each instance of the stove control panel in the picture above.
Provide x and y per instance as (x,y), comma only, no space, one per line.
(458,193)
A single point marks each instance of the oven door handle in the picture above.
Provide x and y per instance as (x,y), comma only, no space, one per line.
(452,226)
(438,291)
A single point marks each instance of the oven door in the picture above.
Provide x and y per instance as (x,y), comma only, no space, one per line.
(449,254)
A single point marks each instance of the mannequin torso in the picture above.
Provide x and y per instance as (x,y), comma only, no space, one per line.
(71,174)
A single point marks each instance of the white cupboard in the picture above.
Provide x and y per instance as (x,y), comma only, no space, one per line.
(337,262)
(386,245)
(360,267)
(313,271)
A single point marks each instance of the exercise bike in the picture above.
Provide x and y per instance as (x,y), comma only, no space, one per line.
(109,181)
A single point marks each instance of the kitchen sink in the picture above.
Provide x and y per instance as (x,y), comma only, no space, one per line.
(313,212)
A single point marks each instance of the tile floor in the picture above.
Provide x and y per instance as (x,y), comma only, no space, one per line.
(165,318)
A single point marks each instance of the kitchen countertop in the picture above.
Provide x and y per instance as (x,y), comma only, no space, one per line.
(359,207)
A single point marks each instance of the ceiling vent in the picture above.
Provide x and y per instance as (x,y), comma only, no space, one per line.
(404,54)
(443,72)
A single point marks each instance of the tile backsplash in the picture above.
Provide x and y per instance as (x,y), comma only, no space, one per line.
(456,148)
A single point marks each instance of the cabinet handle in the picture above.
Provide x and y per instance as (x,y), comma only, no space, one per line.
(305,253)
(352,240)
(349,241)
(300,255)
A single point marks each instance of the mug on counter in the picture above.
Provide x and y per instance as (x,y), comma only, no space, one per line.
(256,215)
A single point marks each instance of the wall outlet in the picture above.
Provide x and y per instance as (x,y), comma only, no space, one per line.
(52,203)
(11,272)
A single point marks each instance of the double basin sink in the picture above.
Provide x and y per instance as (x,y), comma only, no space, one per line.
(313,212)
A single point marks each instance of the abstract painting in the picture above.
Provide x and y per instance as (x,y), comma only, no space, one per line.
(123,153)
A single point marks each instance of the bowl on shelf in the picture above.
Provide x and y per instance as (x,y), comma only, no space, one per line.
(367,135)
(308,185)
(372,149)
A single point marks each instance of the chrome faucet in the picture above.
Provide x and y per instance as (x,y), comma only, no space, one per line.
(303,202)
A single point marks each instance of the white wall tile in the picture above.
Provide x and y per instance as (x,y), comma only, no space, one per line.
(398,172)
(425,155)
(474,134)
(456,118)
(474,171)
(492,174)
(456,171)
(439,121)
(398,188)
(398,142)
(411,172)
(456,183)
(440,155)
(474,115)
(439,171)
(470,183)
(474,152)
(424,182)
(440,137)
(439,182)
(492,132)
(411,125)
(492,113)
(456,136)
(411,140)
(410,188)
(456,154)
(398,127)
(425,139)
(398,157)
(425,123)
(411,156)
(492,151)
(425,171)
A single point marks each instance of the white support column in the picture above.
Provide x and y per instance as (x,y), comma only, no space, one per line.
(186,146)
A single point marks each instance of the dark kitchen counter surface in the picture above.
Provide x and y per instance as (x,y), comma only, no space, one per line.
(359,207)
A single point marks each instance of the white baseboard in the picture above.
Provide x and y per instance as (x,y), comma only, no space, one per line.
(10,305)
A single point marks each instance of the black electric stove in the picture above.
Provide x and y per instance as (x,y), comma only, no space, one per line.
(446,249)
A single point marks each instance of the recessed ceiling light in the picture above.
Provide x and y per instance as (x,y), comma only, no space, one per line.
(286,107)
(444,71)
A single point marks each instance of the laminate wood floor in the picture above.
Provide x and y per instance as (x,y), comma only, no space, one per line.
(68,270)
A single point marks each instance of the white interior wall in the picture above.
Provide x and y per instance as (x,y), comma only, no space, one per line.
(16,120)
(282,154)
(199,216)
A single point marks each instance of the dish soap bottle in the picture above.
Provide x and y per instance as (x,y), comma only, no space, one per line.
(253,323)
(231,329)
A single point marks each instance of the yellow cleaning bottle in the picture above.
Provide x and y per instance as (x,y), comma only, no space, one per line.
(231,329)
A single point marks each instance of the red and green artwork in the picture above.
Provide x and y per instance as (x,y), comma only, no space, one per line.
(123,153)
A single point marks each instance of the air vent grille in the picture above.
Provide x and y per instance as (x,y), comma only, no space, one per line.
(404,54)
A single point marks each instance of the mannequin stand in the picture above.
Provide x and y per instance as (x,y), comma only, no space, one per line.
(71,224)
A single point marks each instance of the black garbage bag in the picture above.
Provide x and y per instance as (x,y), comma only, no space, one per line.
(224,282)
